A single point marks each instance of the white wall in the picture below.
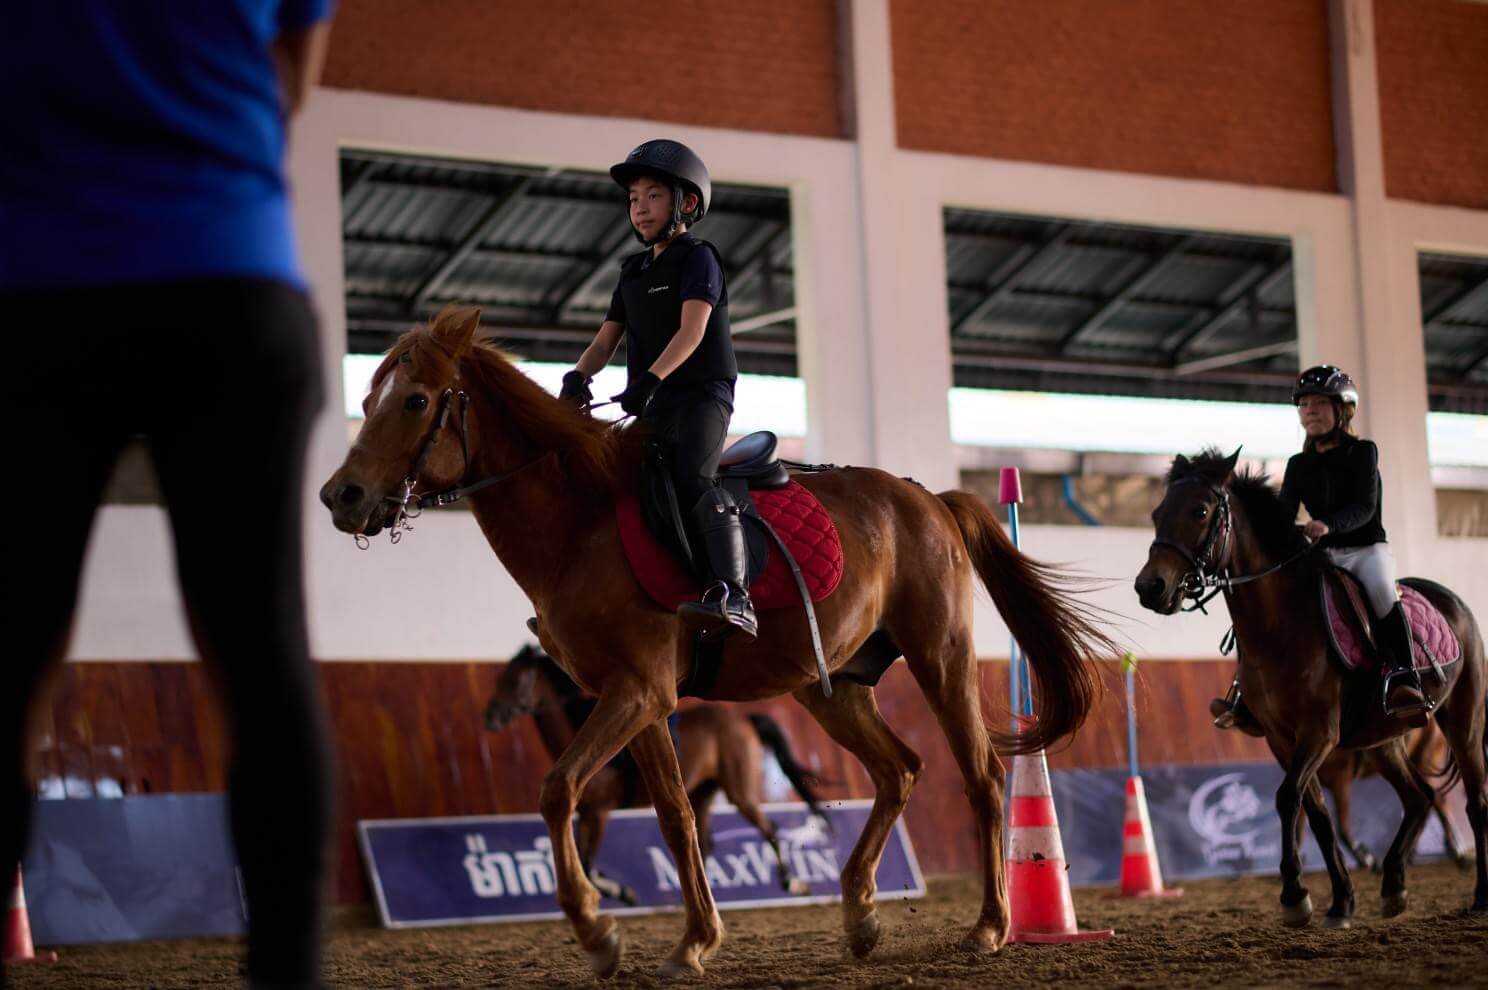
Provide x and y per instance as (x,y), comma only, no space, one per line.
(874,350)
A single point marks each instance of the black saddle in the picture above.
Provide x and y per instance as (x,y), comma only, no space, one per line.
(752,460)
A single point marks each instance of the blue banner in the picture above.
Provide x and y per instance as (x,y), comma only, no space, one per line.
(127,868)
(1209,821)
(439,871)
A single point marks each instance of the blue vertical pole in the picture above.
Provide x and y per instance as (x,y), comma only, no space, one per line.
(1010,493)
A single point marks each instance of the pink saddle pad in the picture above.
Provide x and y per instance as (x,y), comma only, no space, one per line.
(1429,629)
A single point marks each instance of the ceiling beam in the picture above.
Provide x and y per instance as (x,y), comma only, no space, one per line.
(1254,282)
(496,212)
(1475,362)
(1240,355)
(769,319)
(1139,280)
(1002,281)
(1443,309)
(621,244)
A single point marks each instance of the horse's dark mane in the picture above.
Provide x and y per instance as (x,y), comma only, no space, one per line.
(594,455)
(1274,526)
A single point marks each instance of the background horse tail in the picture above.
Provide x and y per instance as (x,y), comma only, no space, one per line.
(804,781)
(1059,635)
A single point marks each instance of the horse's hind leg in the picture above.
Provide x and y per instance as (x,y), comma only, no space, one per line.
(1416,797)
(948,678)
(1342,908)
(1464,725)
(852,719)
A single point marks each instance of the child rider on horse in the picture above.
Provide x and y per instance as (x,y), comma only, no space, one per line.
(1336,476)
(672,307)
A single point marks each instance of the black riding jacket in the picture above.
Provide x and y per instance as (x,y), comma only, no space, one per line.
(653,314)
(1340,487)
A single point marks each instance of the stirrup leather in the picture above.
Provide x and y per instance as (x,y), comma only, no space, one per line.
(1226,718)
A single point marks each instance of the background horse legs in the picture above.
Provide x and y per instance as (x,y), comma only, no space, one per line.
(593,816)
(1417,798)
(739,775)
(1342,908)
(1337,775)
(852,719)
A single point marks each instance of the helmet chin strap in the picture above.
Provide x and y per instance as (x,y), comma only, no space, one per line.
(670,230)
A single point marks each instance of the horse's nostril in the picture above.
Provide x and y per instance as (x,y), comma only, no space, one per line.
(1147,587)
(350,494)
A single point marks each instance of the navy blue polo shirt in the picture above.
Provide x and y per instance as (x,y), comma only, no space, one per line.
(145,141)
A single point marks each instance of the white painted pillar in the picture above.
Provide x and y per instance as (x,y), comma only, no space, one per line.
(903,267)
(1392,373)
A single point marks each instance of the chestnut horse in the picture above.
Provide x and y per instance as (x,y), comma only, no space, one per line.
(1213,523)
(446,410)
(719,749)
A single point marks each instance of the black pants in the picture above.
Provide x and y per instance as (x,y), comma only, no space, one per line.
(692,435)
(222,378)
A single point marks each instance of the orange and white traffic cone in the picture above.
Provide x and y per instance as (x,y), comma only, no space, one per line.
(1141,876)
(18,947)
(1038,886)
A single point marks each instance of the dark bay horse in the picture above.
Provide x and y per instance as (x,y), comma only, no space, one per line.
(446,410)
(719,749)
(1214,522)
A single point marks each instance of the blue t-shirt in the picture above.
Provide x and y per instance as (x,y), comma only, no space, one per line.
(144,141)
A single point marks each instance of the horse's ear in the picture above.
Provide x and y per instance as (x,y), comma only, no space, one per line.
(1180,465)
(455,326)
(1232,460)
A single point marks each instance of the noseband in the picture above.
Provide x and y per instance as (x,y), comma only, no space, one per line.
(407,505)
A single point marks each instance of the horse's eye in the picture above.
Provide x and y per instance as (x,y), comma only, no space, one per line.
(416,402)
(1201,511)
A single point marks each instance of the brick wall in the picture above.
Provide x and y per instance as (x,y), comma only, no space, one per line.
(1231,91)
(1433,81)
(761,65)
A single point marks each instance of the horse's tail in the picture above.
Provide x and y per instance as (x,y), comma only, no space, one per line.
(1059,636)
(804,781)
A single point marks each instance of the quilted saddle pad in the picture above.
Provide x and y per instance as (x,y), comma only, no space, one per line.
(1429,629)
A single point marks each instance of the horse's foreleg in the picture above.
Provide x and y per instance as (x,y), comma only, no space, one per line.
(1416,798)
(1342,908)
(852,719)
(1307,755)
(618,715)
(653,752)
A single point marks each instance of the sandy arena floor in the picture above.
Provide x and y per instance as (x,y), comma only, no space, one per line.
(1224,932)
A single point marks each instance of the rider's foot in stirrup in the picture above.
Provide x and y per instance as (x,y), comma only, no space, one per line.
(722,609)
(1403,695)
(1236,716)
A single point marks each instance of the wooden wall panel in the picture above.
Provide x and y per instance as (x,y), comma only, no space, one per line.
(410,742)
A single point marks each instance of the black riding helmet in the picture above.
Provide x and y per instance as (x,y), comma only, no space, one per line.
(675,164)
(1326,380)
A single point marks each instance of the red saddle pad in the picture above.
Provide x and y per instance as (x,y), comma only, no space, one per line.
(796,515)
(1429,628)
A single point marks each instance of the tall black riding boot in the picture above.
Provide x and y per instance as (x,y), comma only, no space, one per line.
(1401,686)
(727,602)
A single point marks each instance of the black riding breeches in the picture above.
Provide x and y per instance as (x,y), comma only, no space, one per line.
(692,436)
(222,379)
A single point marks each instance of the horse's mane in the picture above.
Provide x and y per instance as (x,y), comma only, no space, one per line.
(1274,526)
(594,455)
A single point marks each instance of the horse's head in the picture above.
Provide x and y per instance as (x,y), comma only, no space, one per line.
(516,693)
(414,426)
(1194,531)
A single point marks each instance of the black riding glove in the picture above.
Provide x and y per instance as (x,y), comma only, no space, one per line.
(633,400)
(576,388)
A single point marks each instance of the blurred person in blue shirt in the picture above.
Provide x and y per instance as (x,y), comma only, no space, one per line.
(149,287)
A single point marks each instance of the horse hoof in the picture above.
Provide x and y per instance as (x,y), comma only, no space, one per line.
(862,937)
(684,969)
(1330,921)
(1297,915)
(1392,904)
(984,940)
(798,887)
(605,952)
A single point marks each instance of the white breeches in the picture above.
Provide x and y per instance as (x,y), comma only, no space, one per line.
(1374,566)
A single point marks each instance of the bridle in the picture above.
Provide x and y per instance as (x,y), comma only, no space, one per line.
(1209,570)
(407,505)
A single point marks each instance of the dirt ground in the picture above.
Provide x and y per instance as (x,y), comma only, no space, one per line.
(1223,932)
